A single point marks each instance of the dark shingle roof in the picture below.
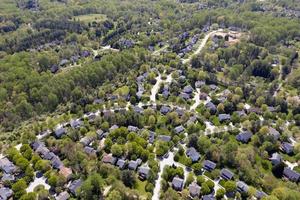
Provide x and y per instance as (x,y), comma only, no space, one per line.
(276,158)
(179,129)
(287,147)
(74,186)
(193,154)
(242,187)
(132,165)
(194,189)
(223,117)
(226,174)
(144,172)
(244,136)
(209,165)
(59,132)
(291,174)
(63,196)
(5,193)
(121,163)
(177,183)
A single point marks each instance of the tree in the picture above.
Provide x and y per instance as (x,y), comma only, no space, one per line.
(170,194)
(220,193)
(114,195)
(117,150)
(29,196)
(92,187)
(128,178)
(19,188)
(230,186)
(204,189)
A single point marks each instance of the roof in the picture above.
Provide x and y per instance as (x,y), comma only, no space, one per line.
(86,140)
(209,165)
(74,186)
(199,83)
(208,197)
(223,117)
(177,183)
(89,150)
(260,194)
(179,129)
(188,89)
(113,127)
(7,166)
(5,193)
(75,123)
(109,159)
(65,172)
(274,133)
(211,106)
(242,187)
(291,174)
(287,147)
(193,154)
(59,132)
(144,171)
(7,177)
(63,196)
(165,138)
(121,163)
(185,96)
(56,162)
(194,189)
(226,174)
(151,136)
(276,158)
(36,144)
(133,164)
(133,128)
(244,136)
(165,109)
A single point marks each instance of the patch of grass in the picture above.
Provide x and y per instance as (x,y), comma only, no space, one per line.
(140,187)
(91,18)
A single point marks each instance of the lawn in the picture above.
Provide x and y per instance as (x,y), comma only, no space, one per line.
(140,186)
(91,18)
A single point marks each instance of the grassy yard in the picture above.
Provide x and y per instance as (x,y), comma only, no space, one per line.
(91,18)
(140,186)
(8,7)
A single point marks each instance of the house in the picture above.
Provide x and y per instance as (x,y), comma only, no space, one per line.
(63,62)
(226,174)
(209,165)
(54,68)
(86,140)
(43,151)
(7,166)
(213,87)
(203,96)
(144,172)
(60,131)
(178,129)
(179,111)
(194,189)
(74,186)
(165,109)
(185,96)
(133,129)
(287,147)
(224,117)
(193,154)
(208,197)
(254,110)
(101,134)
(113,127)
(108,158)
(291,174)
(242,187)
(244,137)
(241,113)
(36,144)
(133,164)
(49,155)
(274,133)
(198,84)
(276,159)
(165,138)
(66,172)
(177,183)
(138,109)
(56,162)
(7,177)
(89,150)
(211,107)
(151,137)
(5,193)
(75,123)
(63,196)
(121,163)
(188,89)
(260,194)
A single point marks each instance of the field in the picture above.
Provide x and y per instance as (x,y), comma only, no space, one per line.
(90,18)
